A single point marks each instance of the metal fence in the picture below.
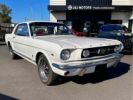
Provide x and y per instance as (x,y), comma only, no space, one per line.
(4,29)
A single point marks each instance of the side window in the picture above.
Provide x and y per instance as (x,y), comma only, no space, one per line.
(22,30)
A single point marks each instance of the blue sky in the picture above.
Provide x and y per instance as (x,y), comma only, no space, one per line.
(28,9)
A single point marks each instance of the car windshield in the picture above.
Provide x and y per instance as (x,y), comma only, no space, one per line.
(109,28)
(47,28)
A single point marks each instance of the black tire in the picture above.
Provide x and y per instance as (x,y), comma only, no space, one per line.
(47,76)
(12,54)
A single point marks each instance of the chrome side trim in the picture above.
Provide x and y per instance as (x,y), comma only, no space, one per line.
(23,55)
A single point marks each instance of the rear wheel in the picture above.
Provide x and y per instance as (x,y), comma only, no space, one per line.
(12,54)
(47,76)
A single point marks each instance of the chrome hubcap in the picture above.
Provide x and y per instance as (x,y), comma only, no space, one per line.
(44,70)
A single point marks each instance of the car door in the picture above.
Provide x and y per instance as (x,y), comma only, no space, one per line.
(20,39)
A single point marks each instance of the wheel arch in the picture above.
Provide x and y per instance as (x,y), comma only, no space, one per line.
(37,56)
(8,43)
(40,53)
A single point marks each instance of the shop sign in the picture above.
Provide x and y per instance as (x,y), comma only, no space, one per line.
(71,7)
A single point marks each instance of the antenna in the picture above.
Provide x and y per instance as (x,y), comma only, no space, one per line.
(42,11)
(25,18)
(31,13)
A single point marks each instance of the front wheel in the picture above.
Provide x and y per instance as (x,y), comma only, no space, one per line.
(46,74)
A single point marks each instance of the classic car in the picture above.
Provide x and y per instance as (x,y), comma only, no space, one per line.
(118,32)
(52,47)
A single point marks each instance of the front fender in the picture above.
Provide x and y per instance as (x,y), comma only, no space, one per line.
(49,55)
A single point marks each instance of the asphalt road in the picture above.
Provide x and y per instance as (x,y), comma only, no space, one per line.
(19,80)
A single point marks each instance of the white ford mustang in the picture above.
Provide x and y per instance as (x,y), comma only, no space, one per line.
(53,48)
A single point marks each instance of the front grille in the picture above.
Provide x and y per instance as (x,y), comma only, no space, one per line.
(99,51)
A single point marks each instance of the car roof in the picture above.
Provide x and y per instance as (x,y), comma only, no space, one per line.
(29,22)
(113,24)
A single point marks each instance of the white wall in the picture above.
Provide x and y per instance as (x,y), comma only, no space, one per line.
(131,14)
(57,2)
(124,16)
(131,18)
(132,27)
(114,2)
(54,16)
(122,2)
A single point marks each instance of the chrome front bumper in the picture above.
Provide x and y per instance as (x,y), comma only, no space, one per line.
(85,67)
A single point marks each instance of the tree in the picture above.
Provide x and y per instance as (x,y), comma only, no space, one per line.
(5,14)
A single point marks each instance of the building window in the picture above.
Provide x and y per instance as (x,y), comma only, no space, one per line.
(116,22)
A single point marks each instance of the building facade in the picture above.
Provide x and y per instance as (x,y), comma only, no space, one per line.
(92,13)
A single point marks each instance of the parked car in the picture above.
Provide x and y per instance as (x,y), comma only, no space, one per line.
(118,32)
(4,29)
(55,51)
(78,33)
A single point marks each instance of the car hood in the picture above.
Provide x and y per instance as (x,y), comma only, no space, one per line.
(71,41)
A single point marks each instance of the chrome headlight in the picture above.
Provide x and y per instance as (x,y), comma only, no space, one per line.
(65,54)
(118,48)
(86,53)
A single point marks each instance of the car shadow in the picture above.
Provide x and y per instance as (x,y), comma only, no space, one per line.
(128,53)
(5,97)
(95,78)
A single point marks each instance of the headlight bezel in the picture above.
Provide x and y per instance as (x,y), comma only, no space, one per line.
(65,54)
(85,53)
(118,48)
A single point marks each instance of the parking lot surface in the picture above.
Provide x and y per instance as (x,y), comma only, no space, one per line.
(19,80)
